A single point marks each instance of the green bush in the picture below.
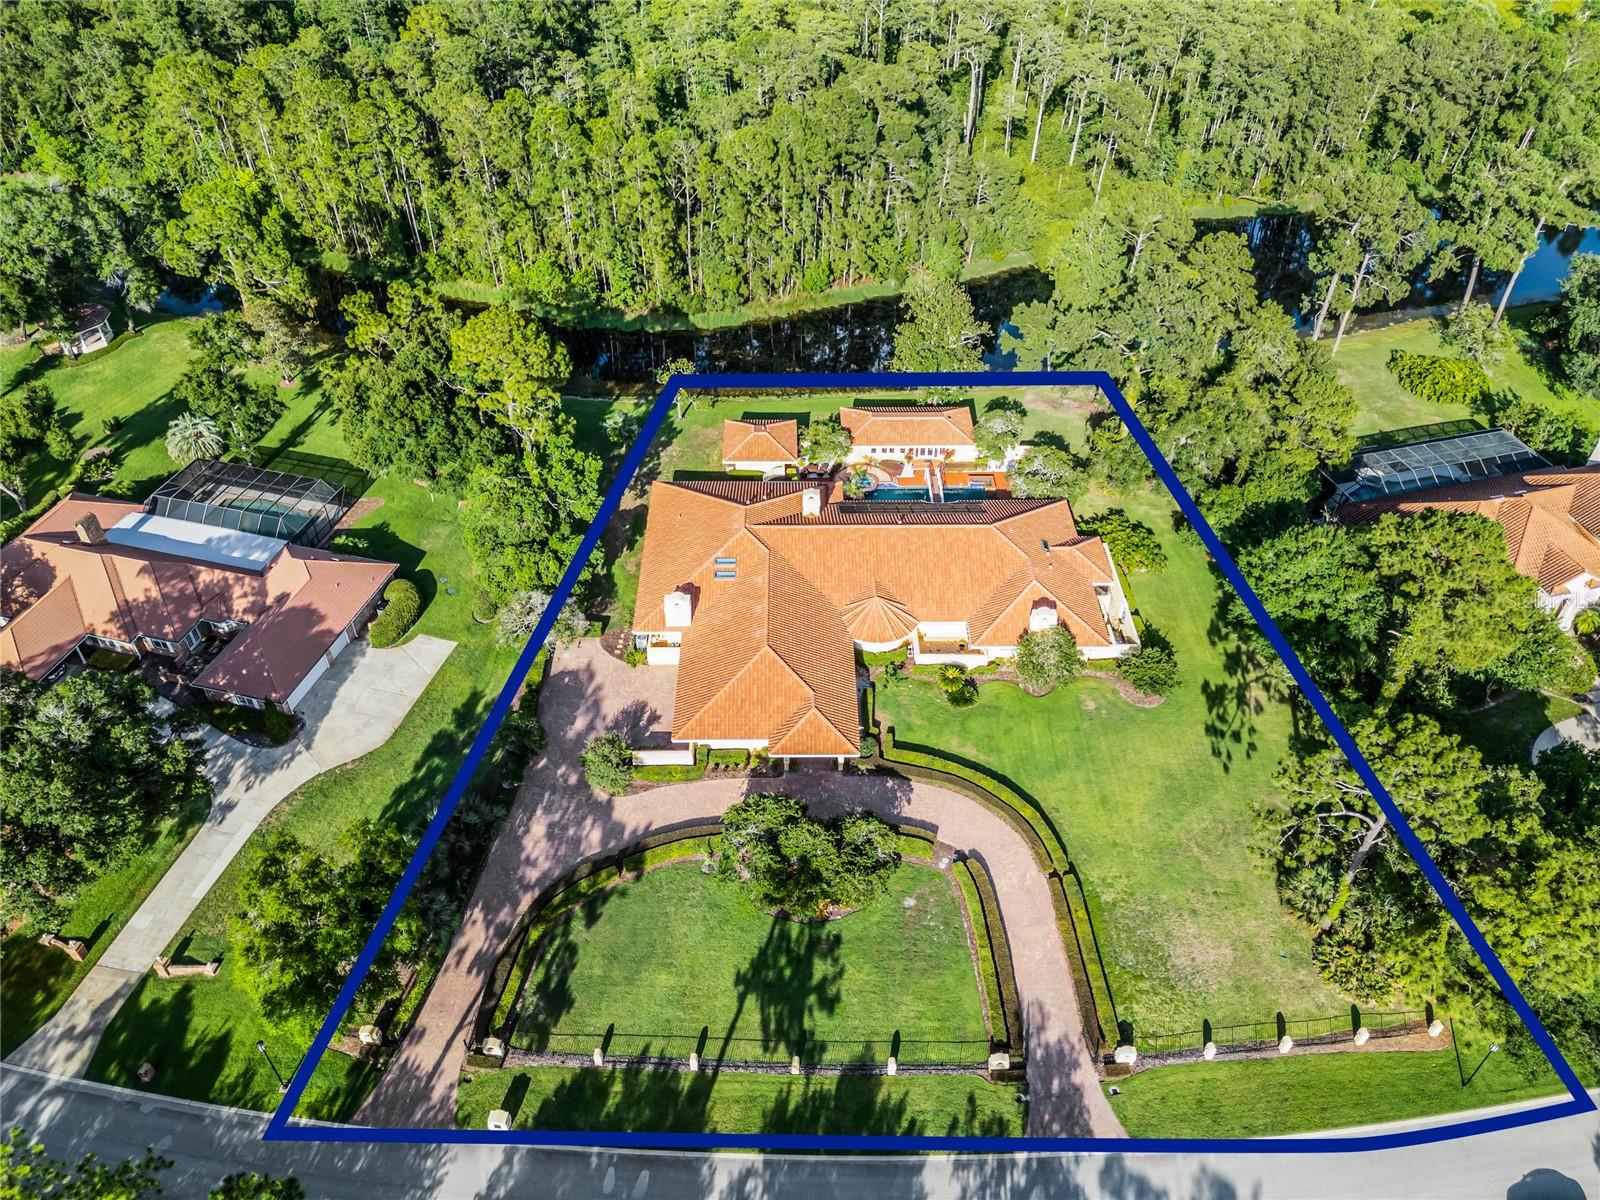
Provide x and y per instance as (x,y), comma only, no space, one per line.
(608,763)
(683,773)
(1152,669)
(634,656)
(1047,658)
(402,607)
(1440,380)
(729,758)
(1133,544)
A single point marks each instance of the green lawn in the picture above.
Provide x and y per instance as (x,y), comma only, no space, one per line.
(1268,1096)
(679,961)
(1505,732)
(1382,404)
(34,981)
(674,1101)
(1155,807)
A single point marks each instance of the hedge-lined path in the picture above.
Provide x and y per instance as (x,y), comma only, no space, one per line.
(558,823)
(351,710)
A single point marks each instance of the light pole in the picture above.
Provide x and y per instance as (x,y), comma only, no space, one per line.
(283,1084)
(1494,1048)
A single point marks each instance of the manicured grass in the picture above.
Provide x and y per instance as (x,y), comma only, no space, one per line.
(1268,1096)
(679,961)
(675,1101)
(34,981)
(1382,404)
(1505,732)
(1155,807)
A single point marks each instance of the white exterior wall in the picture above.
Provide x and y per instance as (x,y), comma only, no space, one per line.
(1567,607)
(880,647)
(766,468)
(956,454)
(662,656)
(732,743)
(664,758)
(306,684)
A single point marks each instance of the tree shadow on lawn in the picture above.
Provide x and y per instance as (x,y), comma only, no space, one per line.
(158,1025)
(794,976)
(146,427)
(413,803)
(549,979)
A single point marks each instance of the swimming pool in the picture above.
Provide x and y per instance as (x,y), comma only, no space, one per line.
(889,492)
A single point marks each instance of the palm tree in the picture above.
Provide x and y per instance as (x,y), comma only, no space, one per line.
(1587,622)
(192,436)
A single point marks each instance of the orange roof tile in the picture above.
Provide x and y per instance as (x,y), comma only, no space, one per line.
(56,588)
(908,426)
(1551,518)
(760,441)
(778,597)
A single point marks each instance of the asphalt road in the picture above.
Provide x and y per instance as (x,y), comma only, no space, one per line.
(1559,1160)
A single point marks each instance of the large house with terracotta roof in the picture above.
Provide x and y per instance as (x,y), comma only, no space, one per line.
(759,592)
(1551,520)
(270,615)
(906,434)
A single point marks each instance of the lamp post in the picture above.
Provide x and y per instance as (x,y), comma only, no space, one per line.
(283,1084)
(1494,1048)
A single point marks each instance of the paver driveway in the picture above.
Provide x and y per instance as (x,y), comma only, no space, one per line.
(558,821)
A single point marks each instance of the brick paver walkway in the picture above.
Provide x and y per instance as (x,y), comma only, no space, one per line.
(558,822)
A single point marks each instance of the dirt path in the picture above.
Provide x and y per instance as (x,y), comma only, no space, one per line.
(558,822)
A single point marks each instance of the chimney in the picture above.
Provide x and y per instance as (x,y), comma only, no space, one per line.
(811,502)
(1043,616)
(89,531)
(679,609)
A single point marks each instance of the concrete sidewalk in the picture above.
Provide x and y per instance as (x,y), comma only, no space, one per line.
(352,710)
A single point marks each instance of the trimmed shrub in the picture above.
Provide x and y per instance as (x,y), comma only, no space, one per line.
(1440,380)
(1047,658)
(1152,669)
(608,763)
(402,605)
(1133,544)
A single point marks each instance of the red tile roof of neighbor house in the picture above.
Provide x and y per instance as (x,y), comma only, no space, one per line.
(1551,518)
(760,441)
(777,635)
(922,426)
(56,588)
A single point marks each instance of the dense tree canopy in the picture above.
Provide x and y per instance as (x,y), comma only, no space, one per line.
(694,155)
(87,775)
(789,860)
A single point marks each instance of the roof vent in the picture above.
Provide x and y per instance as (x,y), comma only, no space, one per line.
(89,530)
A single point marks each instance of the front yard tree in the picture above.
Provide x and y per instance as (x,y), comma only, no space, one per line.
(1576,320)
(285,339)
(788,860)
(999,430)
(522,531)
(824,442)
(608,763)
(305,914)
(1047,472)
(511,368)
(939,332)
(1047,659)
(87,775)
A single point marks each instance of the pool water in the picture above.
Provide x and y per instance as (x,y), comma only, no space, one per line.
(889,492)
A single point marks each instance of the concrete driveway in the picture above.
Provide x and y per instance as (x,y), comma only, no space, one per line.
(352,710)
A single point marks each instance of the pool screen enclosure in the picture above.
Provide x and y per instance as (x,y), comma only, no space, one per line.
(294,508)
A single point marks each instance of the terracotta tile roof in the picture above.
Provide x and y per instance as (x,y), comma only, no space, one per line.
(1551,518)
(779,597)
(910,426)
(760,441)
(56,588)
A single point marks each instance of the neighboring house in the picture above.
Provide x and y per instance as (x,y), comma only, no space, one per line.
(909,434)
(92,331)
(1551,520)
(257,619)
(760,592)
(765,446)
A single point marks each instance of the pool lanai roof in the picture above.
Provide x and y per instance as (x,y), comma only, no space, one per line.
(252,500)
(1391,470)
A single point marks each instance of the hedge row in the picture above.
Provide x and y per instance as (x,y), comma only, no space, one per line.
(402,607)
(1091,984)
(514,968)
(995,794)
(994,955)
(673,773)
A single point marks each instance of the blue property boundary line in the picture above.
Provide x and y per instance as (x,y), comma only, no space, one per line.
(280,1128)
